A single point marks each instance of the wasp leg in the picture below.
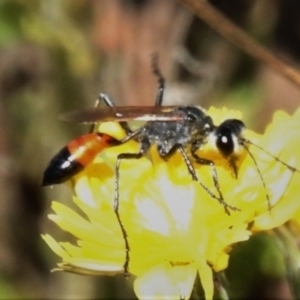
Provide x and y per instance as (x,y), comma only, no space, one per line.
(191,169)
(105,98)
(97,103)
(161,80)
(207,162)
(145,144)
(179,147)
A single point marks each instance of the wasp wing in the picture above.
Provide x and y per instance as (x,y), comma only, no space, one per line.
(124,113)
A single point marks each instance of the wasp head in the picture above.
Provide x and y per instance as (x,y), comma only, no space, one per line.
(227,138)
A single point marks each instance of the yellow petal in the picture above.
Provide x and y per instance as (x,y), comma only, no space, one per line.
(206,277)
(91,267)
(167,282)
(55,247)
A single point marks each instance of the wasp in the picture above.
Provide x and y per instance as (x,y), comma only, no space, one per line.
(183,129)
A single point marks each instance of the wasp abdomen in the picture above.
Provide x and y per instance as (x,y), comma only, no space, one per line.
(74,157)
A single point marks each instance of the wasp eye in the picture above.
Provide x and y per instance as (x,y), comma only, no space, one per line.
(224,141)
(228,134)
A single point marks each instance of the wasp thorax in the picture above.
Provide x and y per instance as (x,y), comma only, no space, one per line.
(227,136)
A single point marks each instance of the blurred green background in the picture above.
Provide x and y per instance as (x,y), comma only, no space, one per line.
(57,55)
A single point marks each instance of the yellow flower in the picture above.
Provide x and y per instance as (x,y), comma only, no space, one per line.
(175,228)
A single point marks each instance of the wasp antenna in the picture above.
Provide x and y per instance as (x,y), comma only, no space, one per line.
(293,169)
(258,171)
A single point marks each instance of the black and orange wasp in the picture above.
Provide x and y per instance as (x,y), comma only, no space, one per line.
(183,129)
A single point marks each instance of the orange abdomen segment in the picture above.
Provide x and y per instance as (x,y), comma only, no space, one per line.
(85,148)
(71,159)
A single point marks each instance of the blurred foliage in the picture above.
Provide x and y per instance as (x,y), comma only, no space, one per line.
(252,263)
